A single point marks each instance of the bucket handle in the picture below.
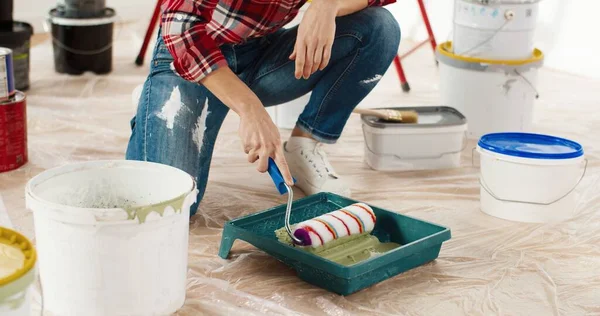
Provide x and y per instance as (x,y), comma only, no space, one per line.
(537,94)
(489,191)
(48,22)
(464,146)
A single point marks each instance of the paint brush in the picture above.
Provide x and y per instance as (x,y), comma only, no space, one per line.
(390,115)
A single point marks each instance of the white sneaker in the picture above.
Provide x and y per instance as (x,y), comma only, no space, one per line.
(309,165)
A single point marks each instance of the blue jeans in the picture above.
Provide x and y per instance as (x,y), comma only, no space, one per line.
(177,121)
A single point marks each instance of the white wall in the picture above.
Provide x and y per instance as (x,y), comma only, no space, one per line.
(35,11)
(566,29)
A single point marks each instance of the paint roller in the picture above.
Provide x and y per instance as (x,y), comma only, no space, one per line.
(328,229)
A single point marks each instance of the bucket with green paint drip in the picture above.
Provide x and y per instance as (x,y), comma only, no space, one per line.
(112,237)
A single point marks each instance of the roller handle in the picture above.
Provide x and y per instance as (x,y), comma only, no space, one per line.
(277,177)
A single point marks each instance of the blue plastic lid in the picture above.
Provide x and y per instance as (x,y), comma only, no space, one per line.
(531,146)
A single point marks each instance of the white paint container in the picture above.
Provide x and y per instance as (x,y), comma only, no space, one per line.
(112,237)
(286,115)
(495,29)
(495,96)
(17,273)
(529,177)
(436,141)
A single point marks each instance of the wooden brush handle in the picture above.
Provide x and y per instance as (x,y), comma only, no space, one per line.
(379,114)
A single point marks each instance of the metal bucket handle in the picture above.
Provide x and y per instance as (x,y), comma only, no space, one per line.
(509,16)
(489,191)
(464,146)
(47,28)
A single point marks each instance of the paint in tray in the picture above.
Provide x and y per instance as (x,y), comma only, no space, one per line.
(343,236)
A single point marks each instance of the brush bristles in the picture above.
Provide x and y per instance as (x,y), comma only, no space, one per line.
(402,116)
(410,117)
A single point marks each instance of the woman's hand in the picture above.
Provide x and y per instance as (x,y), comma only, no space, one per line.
(315,38)
(261,141)
(260,137)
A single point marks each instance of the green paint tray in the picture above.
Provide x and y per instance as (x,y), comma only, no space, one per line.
(420,243)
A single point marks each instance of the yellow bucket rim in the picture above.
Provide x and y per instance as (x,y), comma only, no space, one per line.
(446,50)
(13,238)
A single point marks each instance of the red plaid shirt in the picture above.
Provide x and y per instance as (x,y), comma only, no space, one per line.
(193,30)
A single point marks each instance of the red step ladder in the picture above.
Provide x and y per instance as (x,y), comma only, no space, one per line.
(155,18)
(430,39)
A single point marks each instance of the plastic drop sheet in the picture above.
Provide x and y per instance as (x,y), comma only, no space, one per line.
(489,267)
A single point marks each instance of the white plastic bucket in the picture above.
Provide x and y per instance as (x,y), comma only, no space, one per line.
(495,96)
(112,237)
(532,190)
(286,115)
(436,141)
(495,29)
(17,273)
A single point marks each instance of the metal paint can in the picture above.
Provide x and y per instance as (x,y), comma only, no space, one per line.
(13,132)
(7,74)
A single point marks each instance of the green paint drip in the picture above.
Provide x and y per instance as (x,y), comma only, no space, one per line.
(141,213)
(347,250)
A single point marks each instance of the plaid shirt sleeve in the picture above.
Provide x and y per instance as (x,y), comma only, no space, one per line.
(380,3)
(195,53)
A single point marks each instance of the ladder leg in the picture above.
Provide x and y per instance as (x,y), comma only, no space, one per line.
(155,17)
(403,81)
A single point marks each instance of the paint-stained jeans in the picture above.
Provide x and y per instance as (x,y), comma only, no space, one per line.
(177,121)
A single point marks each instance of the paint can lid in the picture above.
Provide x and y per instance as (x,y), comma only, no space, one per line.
(17,262)
(527,145)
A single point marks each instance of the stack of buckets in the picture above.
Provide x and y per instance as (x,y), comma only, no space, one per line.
(489,71)
(82,32)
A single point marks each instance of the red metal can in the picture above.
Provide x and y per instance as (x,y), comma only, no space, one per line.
(13,132)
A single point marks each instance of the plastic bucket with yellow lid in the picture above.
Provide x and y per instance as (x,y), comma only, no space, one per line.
(17,273)
(494,95)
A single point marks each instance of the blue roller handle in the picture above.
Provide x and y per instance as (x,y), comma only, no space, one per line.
(277,177)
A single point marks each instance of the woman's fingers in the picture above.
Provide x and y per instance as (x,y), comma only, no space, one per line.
(300,55)
(263,163)
(326,56)
(263,156)
(252,156)
(283,167)
(309,61)
(317,59)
